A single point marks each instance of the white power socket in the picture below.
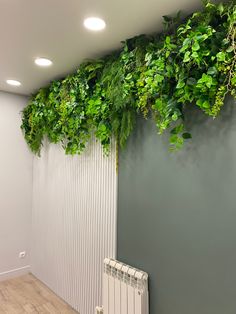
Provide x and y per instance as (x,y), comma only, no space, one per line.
(22,254)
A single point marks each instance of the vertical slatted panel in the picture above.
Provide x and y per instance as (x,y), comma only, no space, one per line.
(74,222)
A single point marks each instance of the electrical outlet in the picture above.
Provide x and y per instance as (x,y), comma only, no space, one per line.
(22,254)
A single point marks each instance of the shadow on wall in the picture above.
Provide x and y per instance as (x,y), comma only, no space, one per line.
(176,214)
(205,131)
(208,131)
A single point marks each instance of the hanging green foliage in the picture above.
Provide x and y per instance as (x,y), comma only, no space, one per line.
(191,63)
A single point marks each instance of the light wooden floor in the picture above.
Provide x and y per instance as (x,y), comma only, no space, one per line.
(26,294)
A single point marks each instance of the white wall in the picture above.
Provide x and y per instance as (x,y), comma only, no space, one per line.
(74,212)
(74,222)
(15,188)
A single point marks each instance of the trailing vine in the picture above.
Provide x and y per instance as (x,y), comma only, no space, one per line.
(192,63)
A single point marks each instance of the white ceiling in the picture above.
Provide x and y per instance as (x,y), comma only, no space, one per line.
(54,29)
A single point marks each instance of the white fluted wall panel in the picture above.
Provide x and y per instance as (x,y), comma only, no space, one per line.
(74,222)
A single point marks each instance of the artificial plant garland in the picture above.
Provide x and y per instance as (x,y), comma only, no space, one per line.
(191,63)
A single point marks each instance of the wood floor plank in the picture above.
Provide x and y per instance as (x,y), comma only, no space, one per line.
(27,294)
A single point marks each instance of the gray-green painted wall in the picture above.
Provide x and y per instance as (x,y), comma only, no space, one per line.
(177,215)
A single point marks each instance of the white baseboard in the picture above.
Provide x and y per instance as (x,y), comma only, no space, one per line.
(14,273)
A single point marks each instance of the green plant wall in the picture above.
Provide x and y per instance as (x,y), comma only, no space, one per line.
(192,63)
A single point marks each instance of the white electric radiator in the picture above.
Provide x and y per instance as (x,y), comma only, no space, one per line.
(125,289)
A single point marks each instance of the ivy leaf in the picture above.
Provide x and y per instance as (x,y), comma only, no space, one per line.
(233,80)
(186,136)
(180,84)
(212,71)
(206,104)
(203,103)
(202,38)
(176,141)
(159,78)
(230,49)
(178,129)
(186,44)
(167,39)
(175,116)
(220,8)
(195,46)
(220,56)
(205,80)
(174,138)
(210,6)
(129,77)
(187,56)
(191,81)
(195,55)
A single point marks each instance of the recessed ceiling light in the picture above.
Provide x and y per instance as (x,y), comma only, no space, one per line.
(43,62)
(13,82)
(94,23)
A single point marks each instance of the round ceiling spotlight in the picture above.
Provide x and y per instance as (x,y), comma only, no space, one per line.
(13,82)
(94,24)
(43,62)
